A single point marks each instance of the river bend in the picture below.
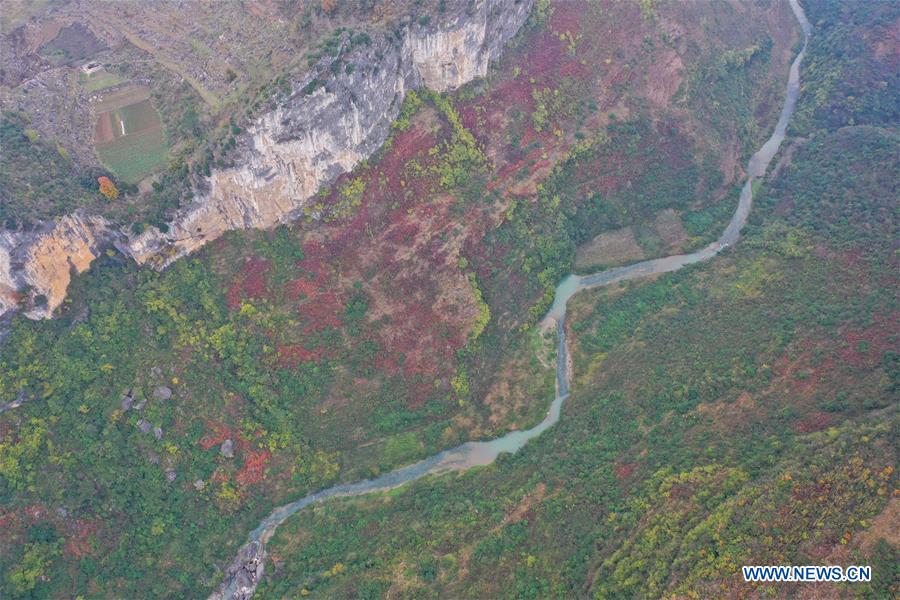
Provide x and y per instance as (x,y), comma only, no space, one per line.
(245,571)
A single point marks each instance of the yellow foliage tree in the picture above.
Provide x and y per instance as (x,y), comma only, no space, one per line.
(108,188)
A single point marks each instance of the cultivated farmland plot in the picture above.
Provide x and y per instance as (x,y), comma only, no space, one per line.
(128,134)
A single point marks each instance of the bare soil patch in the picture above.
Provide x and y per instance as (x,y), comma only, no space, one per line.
(103,130)
(669,228)
(608,248)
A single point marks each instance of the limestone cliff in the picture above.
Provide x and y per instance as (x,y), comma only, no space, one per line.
(331,120)
(36,267)
(286,155)
(324,130)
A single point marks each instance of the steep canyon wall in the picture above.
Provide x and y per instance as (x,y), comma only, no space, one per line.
(327,125)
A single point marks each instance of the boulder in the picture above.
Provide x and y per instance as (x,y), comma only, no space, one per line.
(162,393)
(227,449)
(127,401)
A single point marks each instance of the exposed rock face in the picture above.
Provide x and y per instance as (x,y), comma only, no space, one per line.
(326,127)
(227,449)
(243,574)
(36,267)
(289,153)
(310,140)
(127,401)
(460,50)
(162,393)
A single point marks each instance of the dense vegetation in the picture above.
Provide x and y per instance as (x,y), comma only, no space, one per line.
(692,422)
(28,194)
(736,413)
(396,318)
(250,338)
(850,75)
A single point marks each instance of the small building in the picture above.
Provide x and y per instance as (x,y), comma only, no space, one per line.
(91,67)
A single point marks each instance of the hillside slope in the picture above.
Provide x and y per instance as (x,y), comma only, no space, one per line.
(162,415)
(737,413)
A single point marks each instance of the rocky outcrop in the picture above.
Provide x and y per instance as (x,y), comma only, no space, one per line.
(36,267)
(289,153)
(331,120)
(227,449)
(243,574)
(325,129)
(462,49)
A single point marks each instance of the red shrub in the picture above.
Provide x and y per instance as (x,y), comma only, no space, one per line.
(78,544)
(814,421)
(250,282)
(302,288)
(220,433)
(290,355)
(324,310)
(625,470)
(254,468)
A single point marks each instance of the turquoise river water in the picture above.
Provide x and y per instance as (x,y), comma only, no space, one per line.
(244,572)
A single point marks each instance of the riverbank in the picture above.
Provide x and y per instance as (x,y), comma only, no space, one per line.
(245,572)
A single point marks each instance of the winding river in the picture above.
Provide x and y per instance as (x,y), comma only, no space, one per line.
(243,574)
